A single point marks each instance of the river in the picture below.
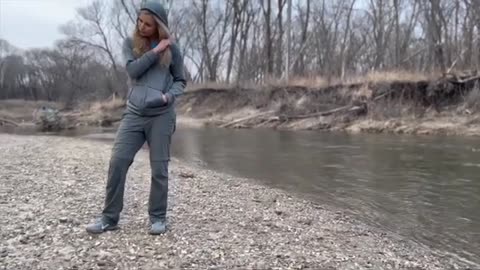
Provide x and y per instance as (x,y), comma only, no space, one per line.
(425,188)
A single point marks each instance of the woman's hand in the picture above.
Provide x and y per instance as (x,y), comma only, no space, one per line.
(162,46)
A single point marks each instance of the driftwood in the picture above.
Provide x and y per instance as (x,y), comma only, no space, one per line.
(10,122)
(386,93)
(349,108)
(246,119)
(461,78)
(467,80)
(268,120)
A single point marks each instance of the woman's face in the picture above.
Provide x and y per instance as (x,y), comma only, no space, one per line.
(147,26)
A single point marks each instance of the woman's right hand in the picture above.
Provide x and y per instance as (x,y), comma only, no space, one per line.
(162,46)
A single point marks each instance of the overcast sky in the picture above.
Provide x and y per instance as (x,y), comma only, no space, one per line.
(34,23)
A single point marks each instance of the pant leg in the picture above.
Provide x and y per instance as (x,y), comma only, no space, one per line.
(129,139)
(159,131)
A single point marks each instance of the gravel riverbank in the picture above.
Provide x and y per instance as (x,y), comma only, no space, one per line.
(51,187)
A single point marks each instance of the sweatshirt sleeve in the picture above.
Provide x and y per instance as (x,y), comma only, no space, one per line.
(176,69)
(136,67)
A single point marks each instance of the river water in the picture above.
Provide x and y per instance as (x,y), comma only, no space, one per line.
(424,188)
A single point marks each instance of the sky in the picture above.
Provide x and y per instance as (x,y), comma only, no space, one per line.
(35,23)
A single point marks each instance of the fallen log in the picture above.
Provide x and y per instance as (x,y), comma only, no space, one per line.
(10,122)
(246,119)
(382,95)
(348,108)
(266,121)
(466,80)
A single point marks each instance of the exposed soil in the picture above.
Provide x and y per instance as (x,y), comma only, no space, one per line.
(444,106)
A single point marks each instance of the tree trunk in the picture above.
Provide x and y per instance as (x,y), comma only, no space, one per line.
(238,10)
(300,63)
(267,13)
(278,44)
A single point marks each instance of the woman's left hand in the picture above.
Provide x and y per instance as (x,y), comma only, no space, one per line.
(162,46)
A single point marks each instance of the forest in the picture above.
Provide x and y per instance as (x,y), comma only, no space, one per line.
(234,42)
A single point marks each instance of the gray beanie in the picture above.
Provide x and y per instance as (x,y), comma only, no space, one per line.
(157,9)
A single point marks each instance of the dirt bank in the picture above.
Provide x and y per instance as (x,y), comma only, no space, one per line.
(440,106)
(52,187)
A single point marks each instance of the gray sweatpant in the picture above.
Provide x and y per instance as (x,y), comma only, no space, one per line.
(134,130)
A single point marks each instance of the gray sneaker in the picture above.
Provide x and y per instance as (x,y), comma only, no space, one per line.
(101,226)
(158,227)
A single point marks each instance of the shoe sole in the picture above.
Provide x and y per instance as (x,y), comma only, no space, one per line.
(111,228)
(157,233)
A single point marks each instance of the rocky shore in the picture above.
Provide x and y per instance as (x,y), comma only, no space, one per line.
(51,187)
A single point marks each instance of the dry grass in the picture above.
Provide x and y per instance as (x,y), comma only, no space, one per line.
(96,113)
(210,85)
(371,77)
(298,81)
(101,112)
(472,100)
(108,105)
(320,82)
(391,76)
(23,110)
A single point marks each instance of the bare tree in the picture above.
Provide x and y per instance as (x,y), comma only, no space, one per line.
(345,44)
(239,7)
(245,28)
(212,34)
(267,13)
(279,40)
(94,30)
(435,23)
(304,17)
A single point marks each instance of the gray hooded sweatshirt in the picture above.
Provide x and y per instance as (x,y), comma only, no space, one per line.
(149,79)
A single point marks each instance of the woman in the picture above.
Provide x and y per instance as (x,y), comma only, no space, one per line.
(155,67)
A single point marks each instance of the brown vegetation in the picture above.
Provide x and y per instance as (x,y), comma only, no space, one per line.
(28,113)
(98,113)
(388,102)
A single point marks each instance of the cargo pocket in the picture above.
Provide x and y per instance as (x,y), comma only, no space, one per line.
(159,136)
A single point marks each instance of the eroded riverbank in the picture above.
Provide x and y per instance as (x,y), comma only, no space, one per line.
(52,187)
(434,106)
(438,106)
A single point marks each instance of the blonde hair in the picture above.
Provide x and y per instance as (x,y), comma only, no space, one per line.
(141,44)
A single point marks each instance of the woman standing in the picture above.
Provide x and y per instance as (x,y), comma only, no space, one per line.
(155,67)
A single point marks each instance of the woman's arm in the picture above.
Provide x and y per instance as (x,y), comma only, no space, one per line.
(176,68)
(137,67)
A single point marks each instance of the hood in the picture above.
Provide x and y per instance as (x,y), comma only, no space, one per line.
(157,9)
